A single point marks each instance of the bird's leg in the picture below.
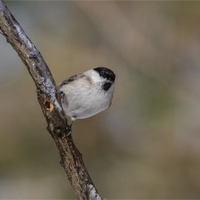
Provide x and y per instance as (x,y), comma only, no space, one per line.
(70,128)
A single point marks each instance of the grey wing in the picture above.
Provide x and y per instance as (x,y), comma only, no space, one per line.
(68,80)
(65,82)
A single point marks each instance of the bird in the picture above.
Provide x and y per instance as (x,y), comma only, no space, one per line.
(86,94)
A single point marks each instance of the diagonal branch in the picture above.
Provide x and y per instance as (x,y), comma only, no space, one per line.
(49,100)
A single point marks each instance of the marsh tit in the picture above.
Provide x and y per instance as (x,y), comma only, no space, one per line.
(84,95)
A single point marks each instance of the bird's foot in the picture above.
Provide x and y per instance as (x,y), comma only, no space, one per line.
(70,132)
(70,128)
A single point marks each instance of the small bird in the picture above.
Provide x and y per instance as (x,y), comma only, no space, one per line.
(86,94)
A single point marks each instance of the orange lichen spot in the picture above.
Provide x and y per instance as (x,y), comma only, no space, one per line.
(49,105)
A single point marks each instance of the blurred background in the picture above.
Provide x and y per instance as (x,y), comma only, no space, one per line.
(147,144)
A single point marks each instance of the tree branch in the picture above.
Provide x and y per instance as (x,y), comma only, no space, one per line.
(49,100)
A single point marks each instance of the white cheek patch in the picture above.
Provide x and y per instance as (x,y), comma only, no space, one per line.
(95,76)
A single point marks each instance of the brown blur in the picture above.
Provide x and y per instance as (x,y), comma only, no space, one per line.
(147,144)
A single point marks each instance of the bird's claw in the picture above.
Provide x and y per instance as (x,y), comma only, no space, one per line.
(70,132)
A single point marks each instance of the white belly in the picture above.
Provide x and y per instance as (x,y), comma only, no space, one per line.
(86,101)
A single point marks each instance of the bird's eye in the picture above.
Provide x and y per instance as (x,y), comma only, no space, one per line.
(101,73)
(110,79)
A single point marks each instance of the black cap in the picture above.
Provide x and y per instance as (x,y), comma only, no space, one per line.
(106,73)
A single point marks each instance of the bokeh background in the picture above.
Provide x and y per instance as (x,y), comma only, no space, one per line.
(147,144)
